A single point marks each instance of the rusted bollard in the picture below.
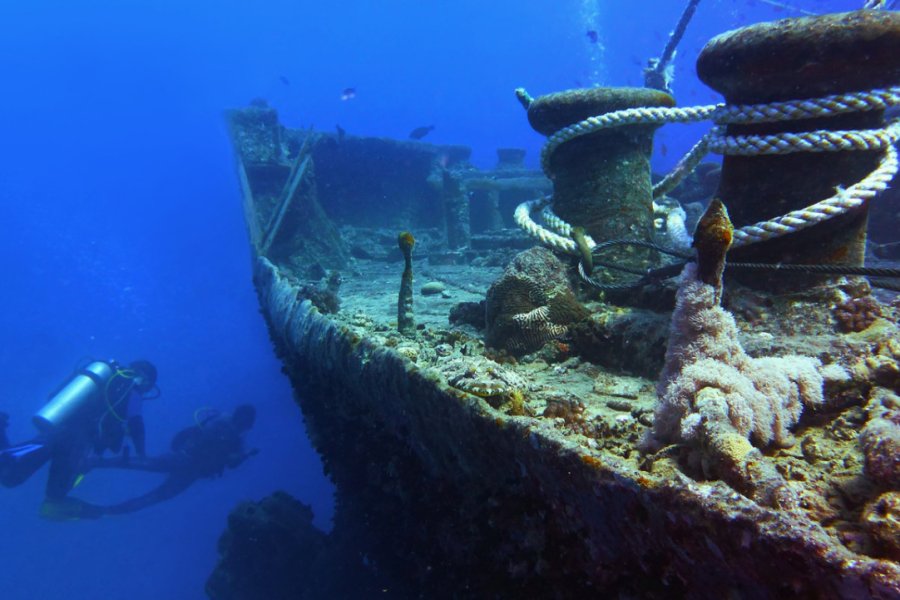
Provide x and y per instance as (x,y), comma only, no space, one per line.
(792,59)
(601,181)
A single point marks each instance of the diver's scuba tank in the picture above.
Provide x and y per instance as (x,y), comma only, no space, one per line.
(84,391)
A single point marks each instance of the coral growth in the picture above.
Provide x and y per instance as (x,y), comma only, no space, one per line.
(713,396)
(531,304)
(880,440)
(271,549)
(759,398)
(570,410)
(882,366)
(712,240)
(267,550)
(882,520)
(324,296)
(406,323)
(857,314)
(468,313)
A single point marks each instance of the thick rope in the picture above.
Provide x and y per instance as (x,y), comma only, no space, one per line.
(812,141)
(716,140)
(722,114)
(844,200)
(522,217)
(685,166)
(561,227)
(629,116)
(826,106)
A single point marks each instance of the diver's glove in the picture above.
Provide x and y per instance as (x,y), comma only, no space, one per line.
(70,509)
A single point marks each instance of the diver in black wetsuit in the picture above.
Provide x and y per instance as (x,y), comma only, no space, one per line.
(198,452)
(92,412)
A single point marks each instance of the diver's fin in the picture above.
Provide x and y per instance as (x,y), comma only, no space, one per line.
(69,509)
(18,463)
(22,451)
(58,510)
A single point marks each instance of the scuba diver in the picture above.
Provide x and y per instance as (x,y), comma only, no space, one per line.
(94,411)
(202,451)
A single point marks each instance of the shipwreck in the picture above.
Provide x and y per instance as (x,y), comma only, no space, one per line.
(569,382)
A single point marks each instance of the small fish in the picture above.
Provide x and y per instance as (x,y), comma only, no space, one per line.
(592,36)
(419,132)
(348,94)
(284,80)
(340,132)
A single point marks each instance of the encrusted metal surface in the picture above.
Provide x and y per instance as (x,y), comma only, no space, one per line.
(446,492)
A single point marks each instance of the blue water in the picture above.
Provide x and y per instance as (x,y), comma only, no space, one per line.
(121,233)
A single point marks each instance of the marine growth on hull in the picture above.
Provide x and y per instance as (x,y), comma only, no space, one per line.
(719,328)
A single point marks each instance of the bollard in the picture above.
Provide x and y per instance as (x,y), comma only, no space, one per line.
(793,59)
(601,181)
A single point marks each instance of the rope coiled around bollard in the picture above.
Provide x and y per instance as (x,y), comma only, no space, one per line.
(716,140)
